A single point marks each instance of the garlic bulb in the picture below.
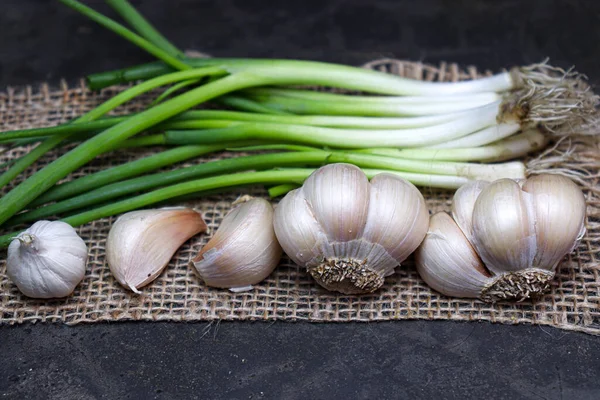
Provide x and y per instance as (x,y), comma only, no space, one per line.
(244,250)
(140,244)
(47,260)
(505,240)
(348,232)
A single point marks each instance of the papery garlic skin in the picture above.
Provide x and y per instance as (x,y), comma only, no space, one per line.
(447,262)
(504,227)
(48,260)
(348,232)
(520,230)
(560,211)
(141,243)
(463,204)
(243,251)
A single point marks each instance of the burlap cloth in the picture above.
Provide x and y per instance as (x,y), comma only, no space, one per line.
(289,293)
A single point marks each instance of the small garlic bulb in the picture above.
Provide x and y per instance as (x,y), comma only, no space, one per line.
(47,260)
(244,250)
(348,232)
(505,239)
(141,243)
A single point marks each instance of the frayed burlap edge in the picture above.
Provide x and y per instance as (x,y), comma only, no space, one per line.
(289,293)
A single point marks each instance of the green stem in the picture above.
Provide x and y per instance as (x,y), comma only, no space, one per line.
(140,72)
(356,108)
(99,111)
(29,158)
(20,196)
(245,104)
(193,120)
(143,27)
(147,182)
(324,74)
(144,141)
(473,100)
(514,147)
(281,190)
(341,138)
(125,171)
(172,90)
(127,34)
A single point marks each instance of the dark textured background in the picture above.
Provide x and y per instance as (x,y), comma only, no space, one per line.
(41,40)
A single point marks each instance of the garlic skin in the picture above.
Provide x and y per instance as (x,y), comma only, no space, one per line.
(463,204)
(141,243)
(447,261)
(243,251)
(348,232)
(519,232)
(48,260)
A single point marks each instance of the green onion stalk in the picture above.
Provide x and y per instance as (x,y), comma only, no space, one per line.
(193,120)
(419,172)
(98,112)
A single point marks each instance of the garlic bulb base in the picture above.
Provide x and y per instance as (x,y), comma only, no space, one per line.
(517,285)
(346,276)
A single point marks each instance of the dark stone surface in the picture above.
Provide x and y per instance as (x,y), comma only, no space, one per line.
(40,40)
(417,360)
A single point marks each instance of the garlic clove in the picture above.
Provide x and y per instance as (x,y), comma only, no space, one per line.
(243,251)
(398,218)
(338,195)
(463,204)
(447,262)
(297,230)
(48,260)
(504,227)
(140,244)
(560,217)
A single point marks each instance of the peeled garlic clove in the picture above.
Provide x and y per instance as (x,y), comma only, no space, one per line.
(140,244)
(47,260)
(560,217)
(463,204)
(243,251)
(448,263)
(504,227)
(348,233)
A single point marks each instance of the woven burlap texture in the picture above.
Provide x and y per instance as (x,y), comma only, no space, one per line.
(289,293)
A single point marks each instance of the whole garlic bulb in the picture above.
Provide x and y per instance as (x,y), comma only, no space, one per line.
(505,239)
(244,250)
(348,232)
(47,260)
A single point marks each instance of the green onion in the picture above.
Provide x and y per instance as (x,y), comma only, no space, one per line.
(242,103)
(124,171)
(474,100)
(342,138)
(341,76)
(28,190)
(127,34)
(99,111)
(381,106)
(511,148)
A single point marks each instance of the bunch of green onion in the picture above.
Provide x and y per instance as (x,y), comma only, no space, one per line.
(433,134)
